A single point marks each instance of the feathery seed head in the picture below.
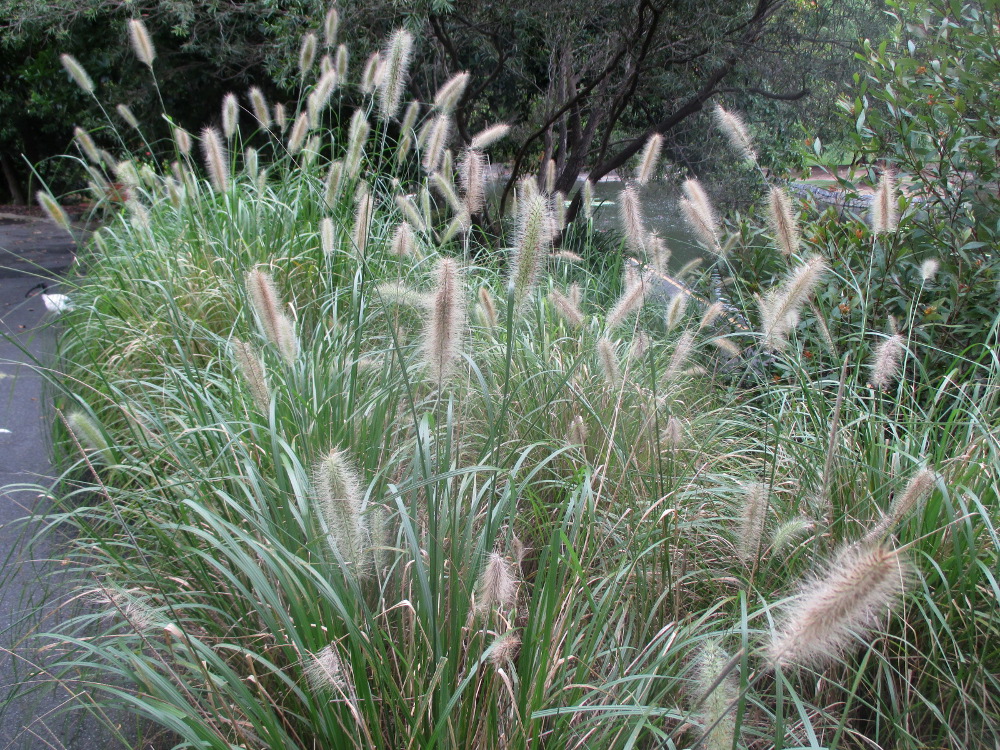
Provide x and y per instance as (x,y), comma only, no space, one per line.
(410,210)
(631,299)
(568,311)
(327,236)
(673,434)
(252,367)
(780,307)
(505,649)
(698,212)
(849,599)
(338,501)
(397,62)
(52,209)
(929,269)
(534,237)
(885,361)
(87,145)
(357,136)
(447,191)
(251,162)
(448,95)
(183,140)
(320,96)
(438,133)
(409,117)
(142,45)
(486,138)
(402,240)
(362,219)
(885,215)
(299,131)
(472,168)
(488,308)
(215,159)
(87,431)
(717,705)
(126,114)
(682,350)
(608,358)
(260,109)
(273,322)
(784,223)
(331,24)
(280,117)
(325,671)
(341,61)
(373,73)
(649,159)
(307,53)
(676,310)
(230,115)
(445,322)
(497,587)
(630,211)
(576,435)
(77,72)
(736,132)
(753,521)
(548,181)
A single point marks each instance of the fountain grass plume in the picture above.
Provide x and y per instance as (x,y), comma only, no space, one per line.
(505,649)
(334,177)
(488,136)
(276,326)
(325,671)
(396,293)
(679,358)
(327,235)
(885,216)
(736,132)
(447,190)
(357,136)
(784,223)
(839,605)
(676,310)
(52,209)
(534,237)
(280,117)
(230,115)
(929,269)
(650,159)
(548,180)
(716,700)
(700,215)
(657,252)
(339,497)
(402,240)
(711,314)
(608,360)
(307,53)
(631,299)
(448,95)
(488,308)
(497,586)
(885,361)
(87,145)
(331,25)
(87,431)
(753,520)
(399,52)
(630,212)
(142,45)
(299,131)
(576,435)
(364,209)
(564,306)
(126,114)
(326,65)
(409,117)
(182,139)
(918,489)
(472,169)
(372,73)
(259,106)
(672,435)
(779,308)
(438,133)
(445,322)
(77,72)
(341,61)
(320,96)
(252,367)
(216,159)
(411,212)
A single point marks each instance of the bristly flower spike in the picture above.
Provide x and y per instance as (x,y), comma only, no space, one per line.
(445,322)
(215,159)
(142,45)
(273,322)
(649,159)
(397,62)
(77,72)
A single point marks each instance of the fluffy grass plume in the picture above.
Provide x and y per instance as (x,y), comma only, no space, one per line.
(86,431)
(258,104)
(325,671)
(277,327)
(650,159)
(885,216)
(280,117)
(437,140)
(331,25)
(448,95)
(564,306)
(717,702)
(472,170)
(339,499)
(341,61)
(320,96)
(736,132)
(399,52)
(631,299)
(885,361)
(357,136)
(682,351)
(252,367)
(77,72)
(126,114)
(216,160)
(699,214)
(372,73)
(230,115)
(488,308)
(587,196)
(87,145)
(676,310)
(753,520)
(299,131)
(52,209)
(363,211)
(779,308)
(497,586)
(307,53)
(630,213)
(445,322)
(486,138)
(841,604)
(608,359)
(918,489)
(327,236)
(549,176)
(142,45)
(533,239)
(929,269)
(784,223)
(402,240)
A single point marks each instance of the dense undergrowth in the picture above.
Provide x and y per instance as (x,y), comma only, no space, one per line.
(338,475)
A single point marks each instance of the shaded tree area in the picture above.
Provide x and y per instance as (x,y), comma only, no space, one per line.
(583,85)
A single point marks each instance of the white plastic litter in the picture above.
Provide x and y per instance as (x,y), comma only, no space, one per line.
(57,302)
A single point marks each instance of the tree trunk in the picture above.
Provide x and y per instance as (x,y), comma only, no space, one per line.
(13,186)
